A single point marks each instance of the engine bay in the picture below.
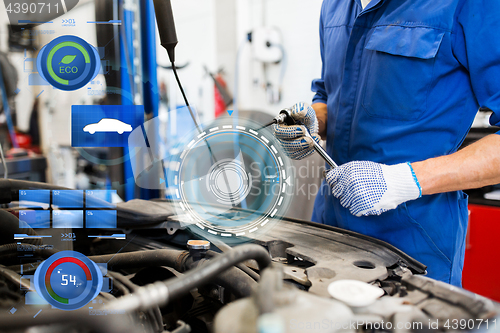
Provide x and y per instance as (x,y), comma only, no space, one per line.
(160,277)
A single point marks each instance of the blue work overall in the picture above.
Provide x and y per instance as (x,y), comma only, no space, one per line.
(403,80)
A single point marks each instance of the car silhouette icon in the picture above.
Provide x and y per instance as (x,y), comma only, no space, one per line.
(108,125)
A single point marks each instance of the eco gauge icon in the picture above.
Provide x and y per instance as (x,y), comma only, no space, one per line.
(68,63)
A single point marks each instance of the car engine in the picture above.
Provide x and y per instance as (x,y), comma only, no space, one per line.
(299,276)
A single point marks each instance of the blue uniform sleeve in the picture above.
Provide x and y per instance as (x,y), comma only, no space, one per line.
(318,85)
(476,46)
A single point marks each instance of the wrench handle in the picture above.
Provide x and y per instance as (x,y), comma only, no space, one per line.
(322,152)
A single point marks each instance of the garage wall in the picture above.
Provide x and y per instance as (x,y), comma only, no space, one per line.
(298,21)
(195,22)
(210,32)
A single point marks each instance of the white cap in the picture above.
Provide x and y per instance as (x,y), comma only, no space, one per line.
(354,293)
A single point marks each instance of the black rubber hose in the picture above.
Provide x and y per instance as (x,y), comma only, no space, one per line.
(10,253)
(233,279)
(205,273)
(161,292)
(154,313)
(14,278)
(247,270)
(9,225)
(147,258)
(77,318)
(242,267)
(137,259)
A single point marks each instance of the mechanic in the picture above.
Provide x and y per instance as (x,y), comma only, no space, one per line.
(401,83)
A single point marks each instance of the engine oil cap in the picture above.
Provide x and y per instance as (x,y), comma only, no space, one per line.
(354,293)
(197,244)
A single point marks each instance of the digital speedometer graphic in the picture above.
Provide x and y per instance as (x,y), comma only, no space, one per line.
(68,280)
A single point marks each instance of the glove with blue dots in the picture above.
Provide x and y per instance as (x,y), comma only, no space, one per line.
(292,138)
(369,188)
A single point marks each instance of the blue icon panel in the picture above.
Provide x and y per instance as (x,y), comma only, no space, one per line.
(67,198)
(34,198)
(99,198)
(34,219)
(67,219)
(104,125)
(67,209)
(100,219)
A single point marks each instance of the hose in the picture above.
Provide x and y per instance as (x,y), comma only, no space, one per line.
(267,293)
(119,285)
(10,252)
(4,163)
(123,282)
(233,279)
(242,267)
(147,258)
(162,292)
(14,278)
(77,318)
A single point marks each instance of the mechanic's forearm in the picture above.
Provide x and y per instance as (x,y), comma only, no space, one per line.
(474,166)
(321,114)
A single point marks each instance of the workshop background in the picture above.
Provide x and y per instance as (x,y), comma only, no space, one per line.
(252,57)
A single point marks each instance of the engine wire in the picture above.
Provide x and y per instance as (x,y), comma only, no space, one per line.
(4,162)
(200,130)
(127,287)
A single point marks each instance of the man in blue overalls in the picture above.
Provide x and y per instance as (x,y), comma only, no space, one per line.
(402,81)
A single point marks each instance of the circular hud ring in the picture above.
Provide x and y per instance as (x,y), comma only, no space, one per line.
(231,180)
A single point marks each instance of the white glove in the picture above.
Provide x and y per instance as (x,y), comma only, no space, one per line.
(369,188)
(292,138)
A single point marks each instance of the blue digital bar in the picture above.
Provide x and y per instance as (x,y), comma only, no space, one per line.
(34,198)
(32,22)
(67,219)
(67,198)
(26,236)
(99,198)
(113,236)
(101,219)
(34,219)
(106,22)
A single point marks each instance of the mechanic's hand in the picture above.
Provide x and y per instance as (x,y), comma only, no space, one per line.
(292,138)
(369,188)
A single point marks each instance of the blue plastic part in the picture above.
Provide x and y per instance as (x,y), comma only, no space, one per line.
(127,72)
(149,71)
